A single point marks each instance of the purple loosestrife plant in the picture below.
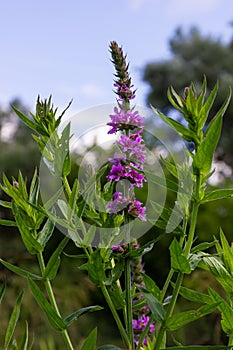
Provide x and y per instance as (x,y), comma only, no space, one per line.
(129,164)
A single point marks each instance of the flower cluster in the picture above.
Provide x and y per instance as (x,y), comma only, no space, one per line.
(139,326)
(123,81)
(128,165)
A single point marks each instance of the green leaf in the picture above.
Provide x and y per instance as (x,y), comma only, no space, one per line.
(54,319)
(75,315)
(54,261)
(90,341)
(217,194)
(192,295)
(46,232)
(156,306)
(34,189)
(176,321)
(2,291)
(178,261)
(8,223)
(31,243)
(218,270)
(108,347)
(202,246)
(13,321)
(24,344)
(227,253)
(95,268)
(5,204)
(151,286)
(20,271)
(199,347)
(26,120)
(179,128)
(204,112)
(204,156)
(227,312)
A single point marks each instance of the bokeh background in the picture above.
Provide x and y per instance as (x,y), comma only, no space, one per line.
(61,48)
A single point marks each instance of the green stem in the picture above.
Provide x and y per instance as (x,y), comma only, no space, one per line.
(128,297)
(180,277)
(52,299)
(115,315)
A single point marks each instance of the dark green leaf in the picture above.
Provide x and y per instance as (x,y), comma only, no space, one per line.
(24,344)
(54,319)
(178,261)
(5,204)
(199,347)
(217,194)
(75,315)
(8,223)
(108,347)
(34,189)
(20,271)
(204,156)
(89,343)
(2,290)
(202,246)
(151,286)
(227,253)
(181,129)
(176,321)
(13,321)
(204,112)
(46,232)
(156,306)
(192,295)
(26,120)
(54,261)
(95,268)
(31,243)
(226,310)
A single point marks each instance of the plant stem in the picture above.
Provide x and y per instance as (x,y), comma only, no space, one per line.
(116,316)
(180,277)
(128,297)
(52,299)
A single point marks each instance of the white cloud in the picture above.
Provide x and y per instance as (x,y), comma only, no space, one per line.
(191,7)
(136,5)
(92,90)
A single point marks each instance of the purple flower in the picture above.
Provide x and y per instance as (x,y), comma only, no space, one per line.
(122,120)
(118,203)
(136,209)
(133,146)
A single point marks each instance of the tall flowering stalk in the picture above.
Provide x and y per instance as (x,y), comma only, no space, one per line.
(127,166)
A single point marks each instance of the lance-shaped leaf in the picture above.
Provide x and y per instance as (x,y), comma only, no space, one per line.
(217,194)
(151,286)
(20,271)
(90,342)
(54,319)
(156,306)
(30,242)
(2,291)
(203,158)
(24,343)
(226,311)
(46,232)
(176,321)
(54,261)
(75,315)
(13,321)
(8,223)
(187,134)
(178,261)
(199,347)
(95,267)
(204,112)
(193,295)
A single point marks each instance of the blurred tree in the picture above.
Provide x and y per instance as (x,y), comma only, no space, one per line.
(194,56)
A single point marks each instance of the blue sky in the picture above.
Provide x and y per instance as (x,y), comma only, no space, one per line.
(61,47)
